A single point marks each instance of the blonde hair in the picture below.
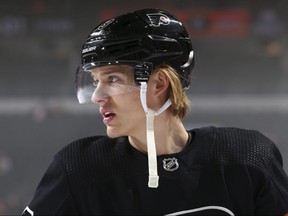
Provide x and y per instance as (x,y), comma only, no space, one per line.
(180,102)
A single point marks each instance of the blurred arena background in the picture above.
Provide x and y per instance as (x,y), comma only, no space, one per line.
(240,78)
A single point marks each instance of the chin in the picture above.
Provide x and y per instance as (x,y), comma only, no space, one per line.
(112,133)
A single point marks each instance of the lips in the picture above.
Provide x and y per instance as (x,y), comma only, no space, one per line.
(107,114)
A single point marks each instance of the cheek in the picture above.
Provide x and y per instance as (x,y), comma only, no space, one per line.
(130,103)
(130,115)
(134,103)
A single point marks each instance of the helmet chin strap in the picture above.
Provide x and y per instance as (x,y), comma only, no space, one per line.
(153,181)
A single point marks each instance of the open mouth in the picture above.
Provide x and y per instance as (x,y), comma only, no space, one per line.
(108,114)
(108,117)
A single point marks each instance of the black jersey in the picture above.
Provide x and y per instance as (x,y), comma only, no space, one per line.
(223,171)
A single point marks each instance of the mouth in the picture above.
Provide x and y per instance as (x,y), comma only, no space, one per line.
(108,116)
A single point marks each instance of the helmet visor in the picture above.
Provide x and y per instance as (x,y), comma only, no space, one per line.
(98,80)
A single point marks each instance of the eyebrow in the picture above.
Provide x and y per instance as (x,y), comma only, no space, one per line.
(106,73)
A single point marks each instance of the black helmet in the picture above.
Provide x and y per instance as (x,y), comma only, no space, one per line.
(147,35)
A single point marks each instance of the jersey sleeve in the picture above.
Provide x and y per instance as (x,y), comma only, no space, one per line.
(52,196)
(273,198)
(261,156)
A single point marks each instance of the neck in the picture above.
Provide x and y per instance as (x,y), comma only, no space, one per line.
(170,135)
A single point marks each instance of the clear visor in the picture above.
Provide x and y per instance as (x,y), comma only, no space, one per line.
(95,81)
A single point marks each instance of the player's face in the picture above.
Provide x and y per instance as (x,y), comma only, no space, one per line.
(119,100)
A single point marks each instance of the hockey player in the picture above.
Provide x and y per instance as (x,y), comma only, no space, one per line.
(136,67)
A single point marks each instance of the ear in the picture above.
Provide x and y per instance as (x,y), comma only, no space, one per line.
(157,89)
(160,81)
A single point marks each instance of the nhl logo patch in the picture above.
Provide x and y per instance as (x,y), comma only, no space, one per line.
(170,164)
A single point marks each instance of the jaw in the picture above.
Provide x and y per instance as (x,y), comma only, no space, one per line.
(114,130)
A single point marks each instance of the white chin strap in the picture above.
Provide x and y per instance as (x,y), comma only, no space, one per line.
(151,146)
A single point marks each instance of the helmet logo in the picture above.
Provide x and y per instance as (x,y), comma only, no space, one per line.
(170,164)
(102,26)
(158,19)
(89,49)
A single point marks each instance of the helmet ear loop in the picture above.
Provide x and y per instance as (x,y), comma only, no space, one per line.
(153,180)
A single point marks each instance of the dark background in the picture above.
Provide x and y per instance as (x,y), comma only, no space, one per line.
(240,78)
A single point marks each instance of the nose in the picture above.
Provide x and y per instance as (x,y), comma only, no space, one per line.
(100,101)
(99,95)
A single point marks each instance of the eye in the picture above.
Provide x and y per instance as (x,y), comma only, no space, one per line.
(113,79)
